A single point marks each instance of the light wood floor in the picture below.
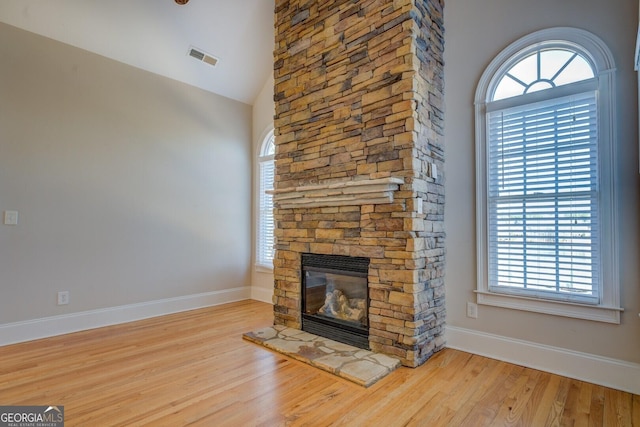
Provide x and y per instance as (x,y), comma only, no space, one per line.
(193,368)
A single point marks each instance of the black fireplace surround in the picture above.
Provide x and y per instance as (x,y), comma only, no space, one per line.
(335,298)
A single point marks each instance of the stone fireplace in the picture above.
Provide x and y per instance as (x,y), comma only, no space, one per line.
(359,165)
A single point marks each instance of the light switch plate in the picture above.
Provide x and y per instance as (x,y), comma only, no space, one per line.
(10,217)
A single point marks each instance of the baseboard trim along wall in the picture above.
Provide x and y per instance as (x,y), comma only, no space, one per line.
(595,369)
(11,333)
(617,374)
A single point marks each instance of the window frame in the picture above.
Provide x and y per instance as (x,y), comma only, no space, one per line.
(263,156)
(600,58)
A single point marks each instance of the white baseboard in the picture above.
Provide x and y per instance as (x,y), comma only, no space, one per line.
(617,374)
(262,294)
(11,333)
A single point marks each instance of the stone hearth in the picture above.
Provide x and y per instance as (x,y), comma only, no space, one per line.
(354,364)
(359,160)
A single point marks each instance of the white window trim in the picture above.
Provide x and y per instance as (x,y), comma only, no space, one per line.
(260,157)
(602,61)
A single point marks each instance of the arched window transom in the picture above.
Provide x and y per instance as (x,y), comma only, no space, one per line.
(544,68)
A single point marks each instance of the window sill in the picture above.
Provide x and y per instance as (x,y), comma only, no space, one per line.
(596,313)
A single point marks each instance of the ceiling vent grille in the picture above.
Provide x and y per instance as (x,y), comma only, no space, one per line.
(202,56)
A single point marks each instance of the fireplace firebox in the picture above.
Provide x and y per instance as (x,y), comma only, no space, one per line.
(335,298)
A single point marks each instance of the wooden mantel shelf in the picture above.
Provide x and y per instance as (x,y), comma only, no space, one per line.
(352,192)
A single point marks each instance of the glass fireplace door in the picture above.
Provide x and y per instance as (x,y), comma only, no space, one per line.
(335,298)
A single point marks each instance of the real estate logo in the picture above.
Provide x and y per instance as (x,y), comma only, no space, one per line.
(31,416)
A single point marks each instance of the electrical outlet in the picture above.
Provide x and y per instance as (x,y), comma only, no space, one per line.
(10,217)
(63,297)
(472,310)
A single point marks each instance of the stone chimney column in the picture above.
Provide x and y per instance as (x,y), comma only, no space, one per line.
(359,98)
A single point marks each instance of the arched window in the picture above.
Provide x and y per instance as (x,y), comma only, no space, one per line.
(266,223)
(545,163)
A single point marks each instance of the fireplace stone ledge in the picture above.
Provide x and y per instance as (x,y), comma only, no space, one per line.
(341,193)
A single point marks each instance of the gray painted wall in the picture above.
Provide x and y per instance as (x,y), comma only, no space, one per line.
(475,32)
(130,187)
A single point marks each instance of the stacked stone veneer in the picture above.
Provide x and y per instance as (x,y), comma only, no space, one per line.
(358,92)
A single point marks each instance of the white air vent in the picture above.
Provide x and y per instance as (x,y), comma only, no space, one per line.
(202,56)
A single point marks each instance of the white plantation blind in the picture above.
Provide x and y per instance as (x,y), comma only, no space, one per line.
(543,227)
(266,222)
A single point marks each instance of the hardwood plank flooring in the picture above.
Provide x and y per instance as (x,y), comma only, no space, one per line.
(194,368)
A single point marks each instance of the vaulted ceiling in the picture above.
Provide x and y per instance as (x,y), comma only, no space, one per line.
(156,35)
